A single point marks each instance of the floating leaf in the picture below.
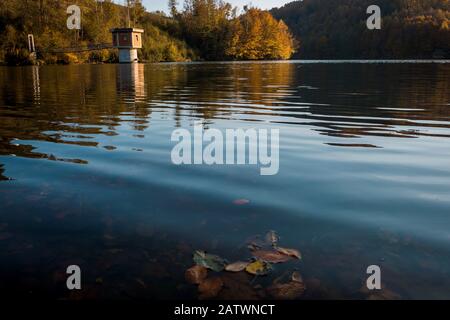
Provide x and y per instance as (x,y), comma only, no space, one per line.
(241,202)
(271,256)
(237,266)
(290,252)
(272,238)
(209,261)
(210,288)
(286,291)
(259,268)
(196,274)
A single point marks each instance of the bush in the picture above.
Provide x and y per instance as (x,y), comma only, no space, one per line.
(67,58)
(18,57)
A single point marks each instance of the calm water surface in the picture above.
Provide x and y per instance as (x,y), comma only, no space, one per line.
(86,177)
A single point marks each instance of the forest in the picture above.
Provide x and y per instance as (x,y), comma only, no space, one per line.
(215,30)
(337,29)
(203,30)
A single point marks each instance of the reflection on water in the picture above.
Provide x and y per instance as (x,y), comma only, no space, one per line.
(131,82)
(88,101)
(364,175)
(1,173)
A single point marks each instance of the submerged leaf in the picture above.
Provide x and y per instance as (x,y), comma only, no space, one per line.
(255,242)
(259,268)
(209,261)
(272,238)
(253,247)
(286,291)
(296,277)
(237,266)
(271,256)
(290,252)
(196,274)
(209,288)
(237,286)
(241,202)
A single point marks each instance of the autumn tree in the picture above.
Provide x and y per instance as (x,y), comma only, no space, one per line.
(257,35)
(205,24)
(337,29)
(173,8)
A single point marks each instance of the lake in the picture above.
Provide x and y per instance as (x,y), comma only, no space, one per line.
(86,178)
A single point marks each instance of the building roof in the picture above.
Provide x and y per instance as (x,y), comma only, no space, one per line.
(129,30)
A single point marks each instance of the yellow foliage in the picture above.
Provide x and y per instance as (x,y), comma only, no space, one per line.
(257,35)
(68,58)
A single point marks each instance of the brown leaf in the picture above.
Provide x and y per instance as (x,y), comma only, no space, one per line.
(195,274)
(237,266)
(290,252)
(286,291)
(237,286)
(210,288)
(271,256)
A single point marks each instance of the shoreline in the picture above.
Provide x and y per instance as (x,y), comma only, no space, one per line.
(304,61)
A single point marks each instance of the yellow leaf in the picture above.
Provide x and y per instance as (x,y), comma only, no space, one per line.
(259,267)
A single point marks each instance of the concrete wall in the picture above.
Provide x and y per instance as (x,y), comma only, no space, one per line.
(128,55)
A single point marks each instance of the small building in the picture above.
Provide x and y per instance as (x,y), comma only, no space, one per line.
(127,40)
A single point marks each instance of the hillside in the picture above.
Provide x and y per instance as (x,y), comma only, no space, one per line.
(213,30)
(203,30)
(46,20)
(337,28)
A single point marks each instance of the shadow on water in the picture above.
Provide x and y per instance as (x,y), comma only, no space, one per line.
(364,177)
